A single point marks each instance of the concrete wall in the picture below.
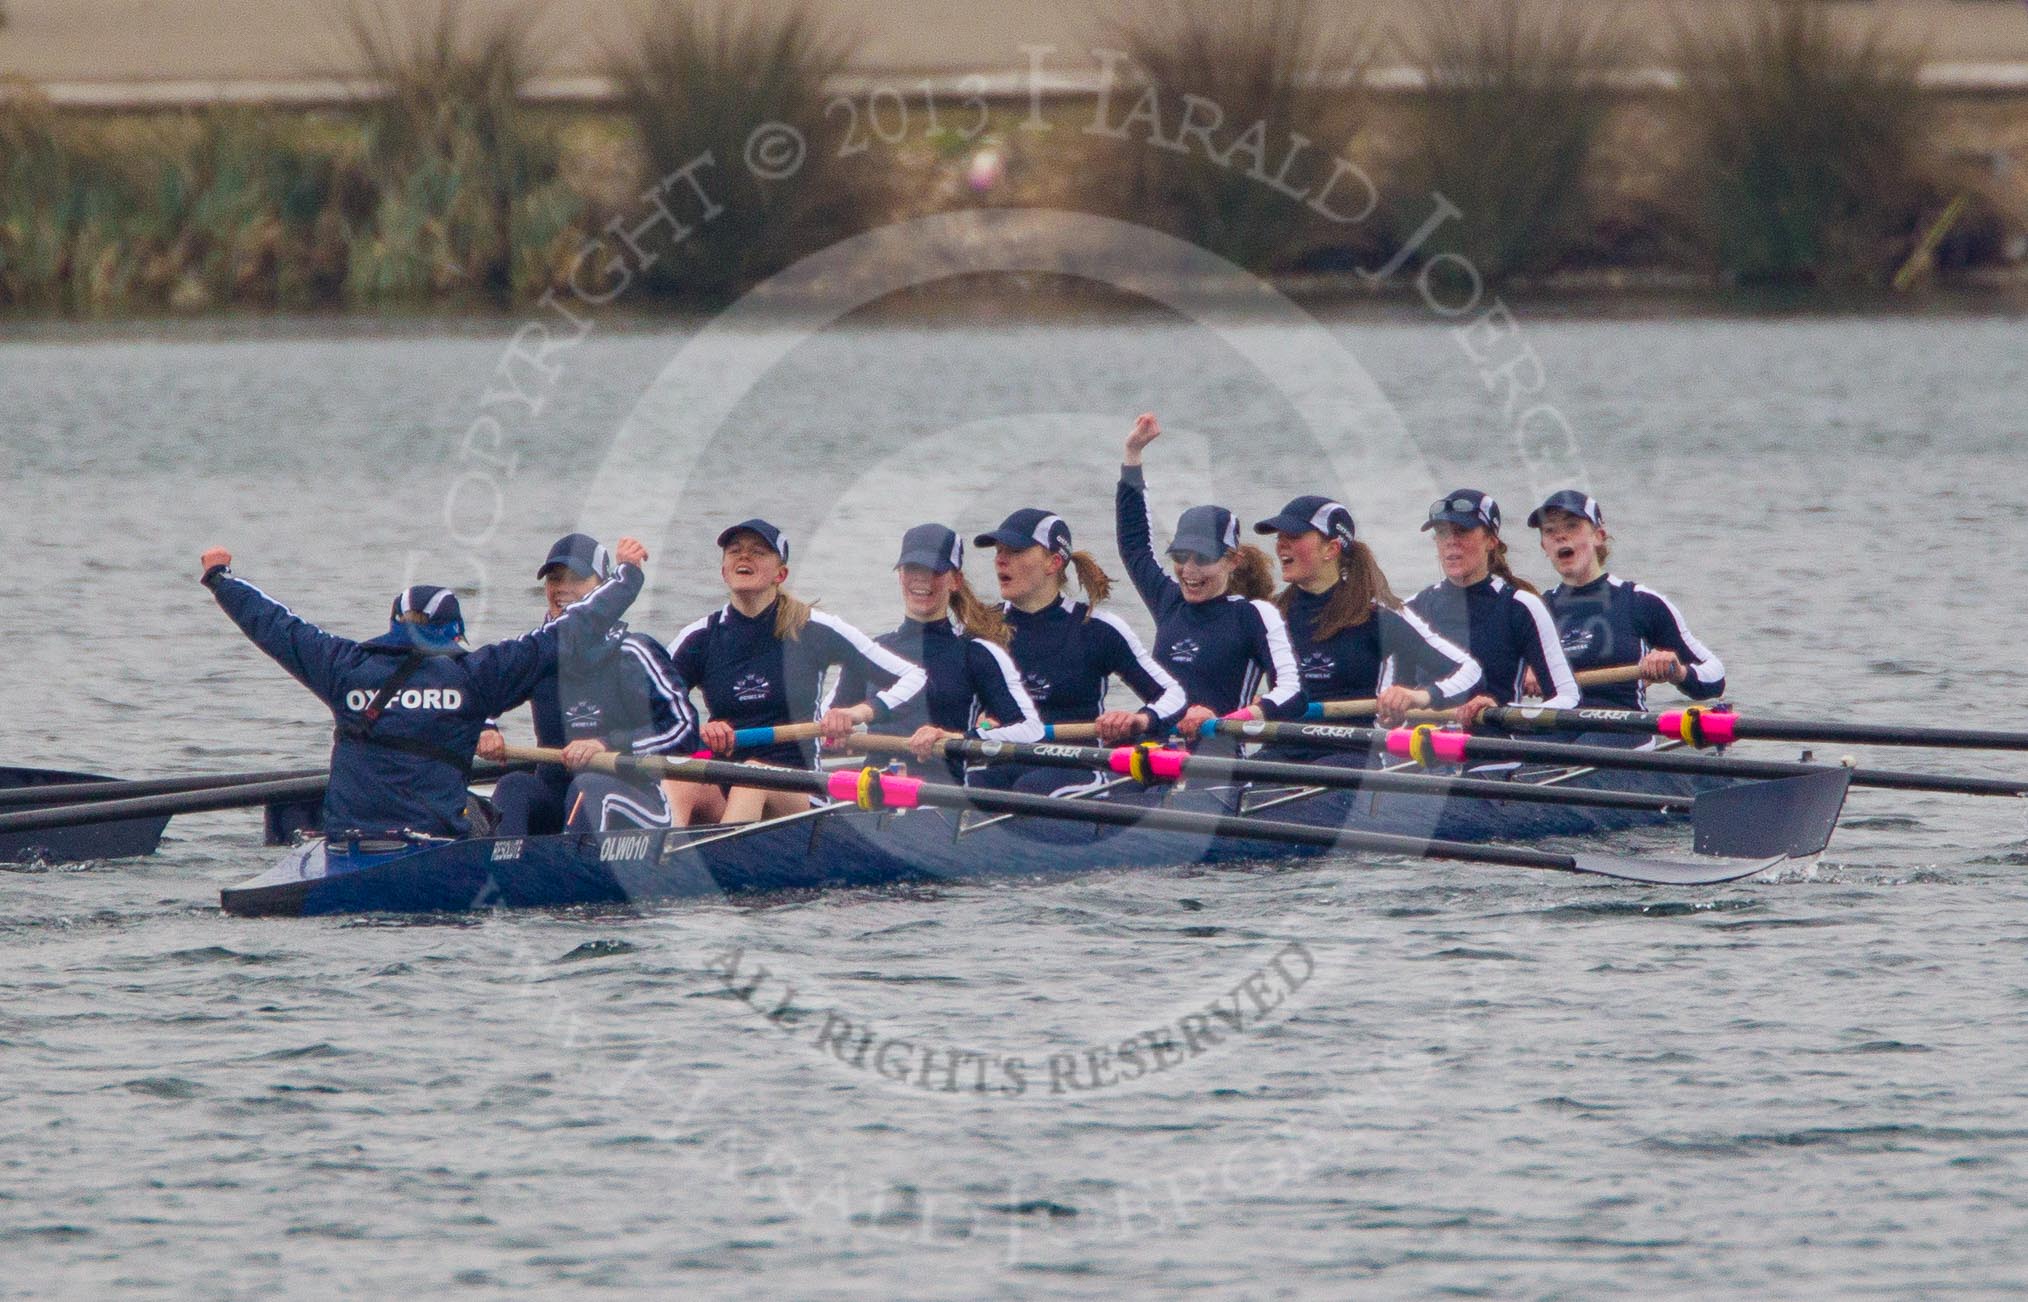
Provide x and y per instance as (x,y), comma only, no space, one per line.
(74,43)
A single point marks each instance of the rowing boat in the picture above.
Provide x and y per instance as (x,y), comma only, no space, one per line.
(113,840)
(840,846)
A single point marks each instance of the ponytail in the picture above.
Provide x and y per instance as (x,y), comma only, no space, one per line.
(1252,573)
(792,616)
(1095,581)
(1497,564)
(980,620)
(1361,586)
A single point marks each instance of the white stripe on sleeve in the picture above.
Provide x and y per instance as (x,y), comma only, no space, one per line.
(1173,699)
(1709,668)
(1288,677)
(910,677)
(1028,728)
(1469,673)
(1567,693)
(662,685)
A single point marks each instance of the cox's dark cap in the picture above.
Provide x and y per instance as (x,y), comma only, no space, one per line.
(1206,531)
(428,614)
(1031,526)
(1573,501)
(1467,508)
(774,537)
(933,547)
(1303,514)
(581,554)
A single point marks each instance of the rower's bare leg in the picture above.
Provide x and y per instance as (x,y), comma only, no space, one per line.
(694,802)
(751,804)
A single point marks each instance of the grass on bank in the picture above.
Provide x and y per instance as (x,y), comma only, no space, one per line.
(1279,68)
(468,194)
(1814,155)
(719,77)
(1510,126)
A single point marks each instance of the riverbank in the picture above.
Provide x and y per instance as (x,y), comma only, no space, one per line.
(455,175)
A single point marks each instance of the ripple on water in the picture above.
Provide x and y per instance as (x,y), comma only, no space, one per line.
(598,949)
(1882,1138)
(164,1087)
(317,1050)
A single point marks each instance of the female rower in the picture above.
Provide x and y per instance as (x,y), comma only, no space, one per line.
(760,661)
(1352,636)
(1605,621)
(1068,651)
(1214,629)
(961,643)
(1481,606)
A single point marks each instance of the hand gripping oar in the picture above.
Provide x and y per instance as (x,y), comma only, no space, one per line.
(69,793)
(1706,727)
(1364,708)
(1744,822)
(760,738)
(873,789)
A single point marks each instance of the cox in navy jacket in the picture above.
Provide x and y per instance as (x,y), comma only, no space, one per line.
(408,774)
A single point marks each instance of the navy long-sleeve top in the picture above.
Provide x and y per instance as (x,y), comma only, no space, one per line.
(968,677)
(1610,622)
(1068,654)
(406,771)
(1225,651)
(1392,646)
(621,690)
(752,679)
(1507,630)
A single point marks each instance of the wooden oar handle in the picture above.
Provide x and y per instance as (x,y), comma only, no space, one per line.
(1364,709)
(873,743)
(605,763)
(796,732)
(877,743)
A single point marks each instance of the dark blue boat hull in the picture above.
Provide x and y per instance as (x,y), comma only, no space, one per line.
(847,848)
(121,840)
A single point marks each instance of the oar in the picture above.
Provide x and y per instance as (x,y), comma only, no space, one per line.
(1791,816)
(180,802)
(760,738)
(1150,763)
(1446,747)
(68,793)
(201,801)
(1702,727)
(873,789)
(1352,709)
(1365,707)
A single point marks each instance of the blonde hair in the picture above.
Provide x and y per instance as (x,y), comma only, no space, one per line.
(980,620)
(1361,586)
(1097,584)
(1252,573)
(792,615)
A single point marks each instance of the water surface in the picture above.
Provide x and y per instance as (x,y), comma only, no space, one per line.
(1485,1080)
